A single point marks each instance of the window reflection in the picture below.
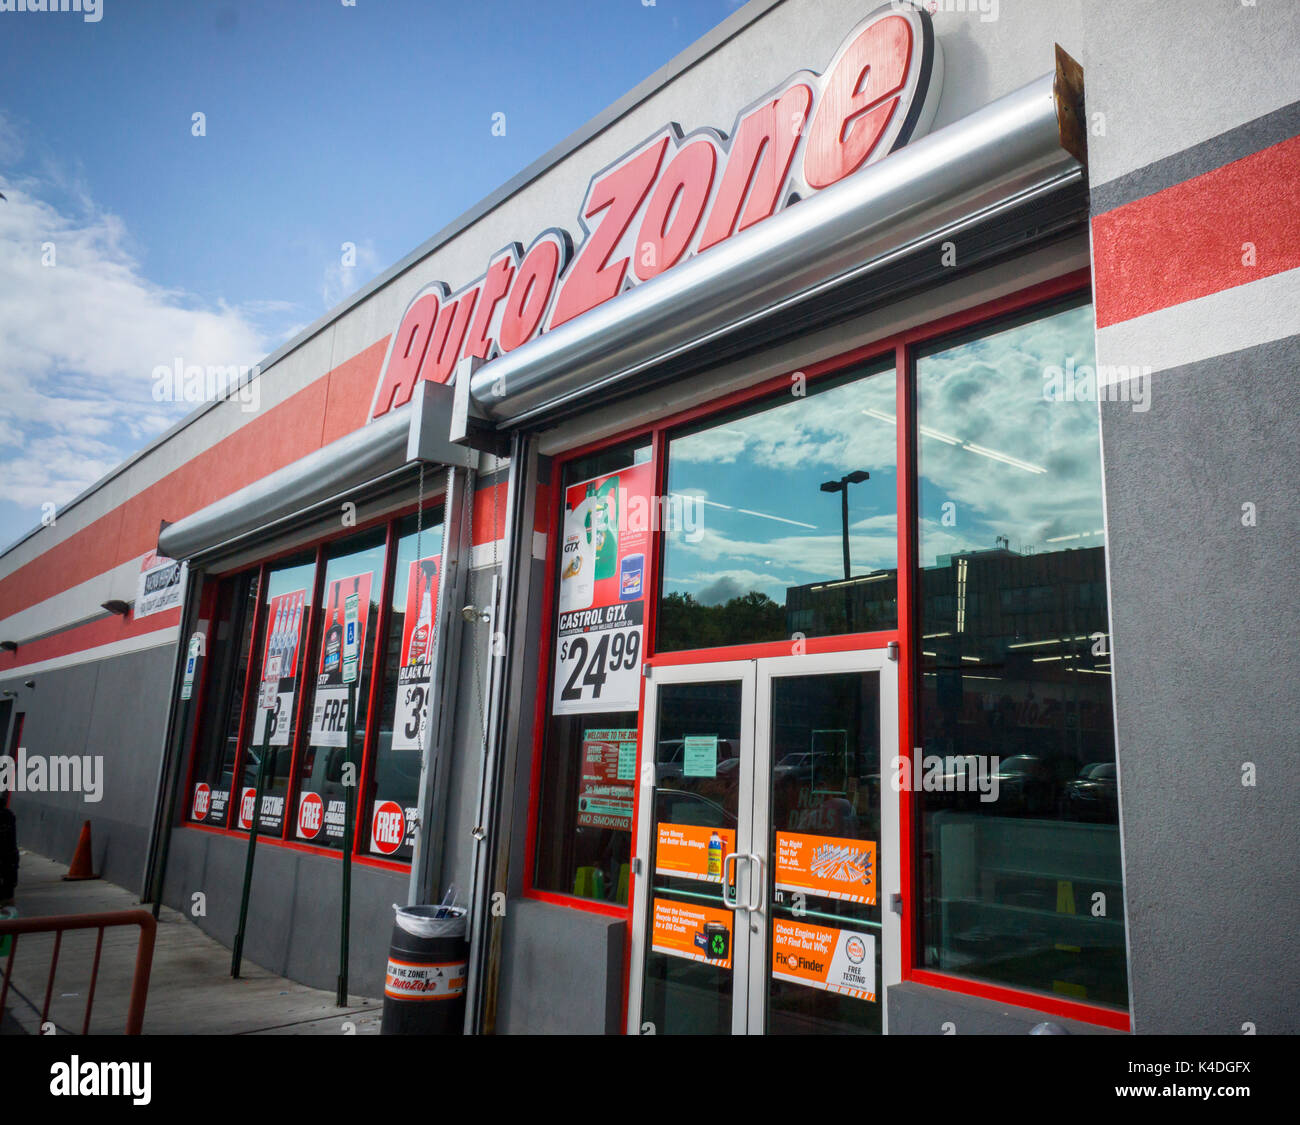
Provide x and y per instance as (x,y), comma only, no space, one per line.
(782,519)
(1022,863)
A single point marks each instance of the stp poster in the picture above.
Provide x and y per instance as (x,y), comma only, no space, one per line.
(330,713)
(284,618)
(604,547)
(416,657)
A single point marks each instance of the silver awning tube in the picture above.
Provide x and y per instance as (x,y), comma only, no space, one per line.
(1004,154)
(416,432)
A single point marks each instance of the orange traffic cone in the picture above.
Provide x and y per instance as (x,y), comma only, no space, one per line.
(80,868)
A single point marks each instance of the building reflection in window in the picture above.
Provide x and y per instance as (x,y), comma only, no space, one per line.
(1019,799)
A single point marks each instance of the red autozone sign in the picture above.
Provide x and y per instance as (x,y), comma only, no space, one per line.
(677,195)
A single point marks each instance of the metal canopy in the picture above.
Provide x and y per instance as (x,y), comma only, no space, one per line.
(415,433)
(1007,173)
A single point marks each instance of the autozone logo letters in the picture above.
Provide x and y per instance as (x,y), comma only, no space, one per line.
(677,195)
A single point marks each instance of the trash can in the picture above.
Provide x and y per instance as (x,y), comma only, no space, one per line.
(428,959)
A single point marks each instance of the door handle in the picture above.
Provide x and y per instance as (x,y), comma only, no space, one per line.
(757,887)
(731,903)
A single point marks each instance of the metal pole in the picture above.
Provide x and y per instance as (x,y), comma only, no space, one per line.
(237,952)
(844,520)
(164,843)
(349,810)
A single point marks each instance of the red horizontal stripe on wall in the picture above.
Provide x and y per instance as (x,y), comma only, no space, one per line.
(102,631)
(321,412)
(1189,240)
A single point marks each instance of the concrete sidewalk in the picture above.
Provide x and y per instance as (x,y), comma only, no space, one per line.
(190,990)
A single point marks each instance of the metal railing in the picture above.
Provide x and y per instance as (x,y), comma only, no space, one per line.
(57,925)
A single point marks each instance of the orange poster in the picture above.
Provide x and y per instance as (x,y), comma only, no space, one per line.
(687,851)
(826,865)
(823,957)
(697,933)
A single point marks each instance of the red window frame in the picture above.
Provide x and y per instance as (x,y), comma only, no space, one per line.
(903,346)
(390,521)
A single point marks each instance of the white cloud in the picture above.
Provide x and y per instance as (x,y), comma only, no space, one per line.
(80,338)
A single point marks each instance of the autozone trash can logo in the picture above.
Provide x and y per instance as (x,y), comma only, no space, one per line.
(388,827)
(408,980)
(678,195)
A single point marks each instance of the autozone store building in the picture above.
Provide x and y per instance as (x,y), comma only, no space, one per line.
(782,540)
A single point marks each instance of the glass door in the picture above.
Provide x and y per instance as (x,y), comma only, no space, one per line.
(766,850)
(695,808)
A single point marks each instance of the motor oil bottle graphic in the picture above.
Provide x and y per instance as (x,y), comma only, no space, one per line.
(578,558)
(422,634)
(334,639)
(714,854)
(604,523)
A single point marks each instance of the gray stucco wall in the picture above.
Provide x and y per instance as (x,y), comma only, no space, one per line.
(115,709)
(562,973)
(293,910)
(1206,622)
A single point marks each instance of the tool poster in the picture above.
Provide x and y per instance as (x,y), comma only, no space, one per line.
(606,791)
(280,666)
(687,851)
(329,720)
(696,933)
(604,545)
(823,957)
(414,671)
(832,866)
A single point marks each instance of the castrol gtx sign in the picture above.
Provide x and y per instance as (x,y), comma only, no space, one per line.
(676,195)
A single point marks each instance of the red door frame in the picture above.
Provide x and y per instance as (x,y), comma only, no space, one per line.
(901,347)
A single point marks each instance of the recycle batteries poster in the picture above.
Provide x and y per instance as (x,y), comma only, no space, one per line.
(692,931)
(604,545)
(330,713)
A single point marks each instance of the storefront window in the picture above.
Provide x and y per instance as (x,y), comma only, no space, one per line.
(589,760)
(393,785)
(354,576)
(758,544)
(286,611)
(226,667)
(1016,780)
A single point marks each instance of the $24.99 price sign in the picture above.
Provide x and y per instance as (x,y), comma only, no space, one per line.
(598,660)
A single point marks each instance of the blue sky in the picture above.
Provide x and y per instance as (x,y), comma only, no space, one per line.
(325,123)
